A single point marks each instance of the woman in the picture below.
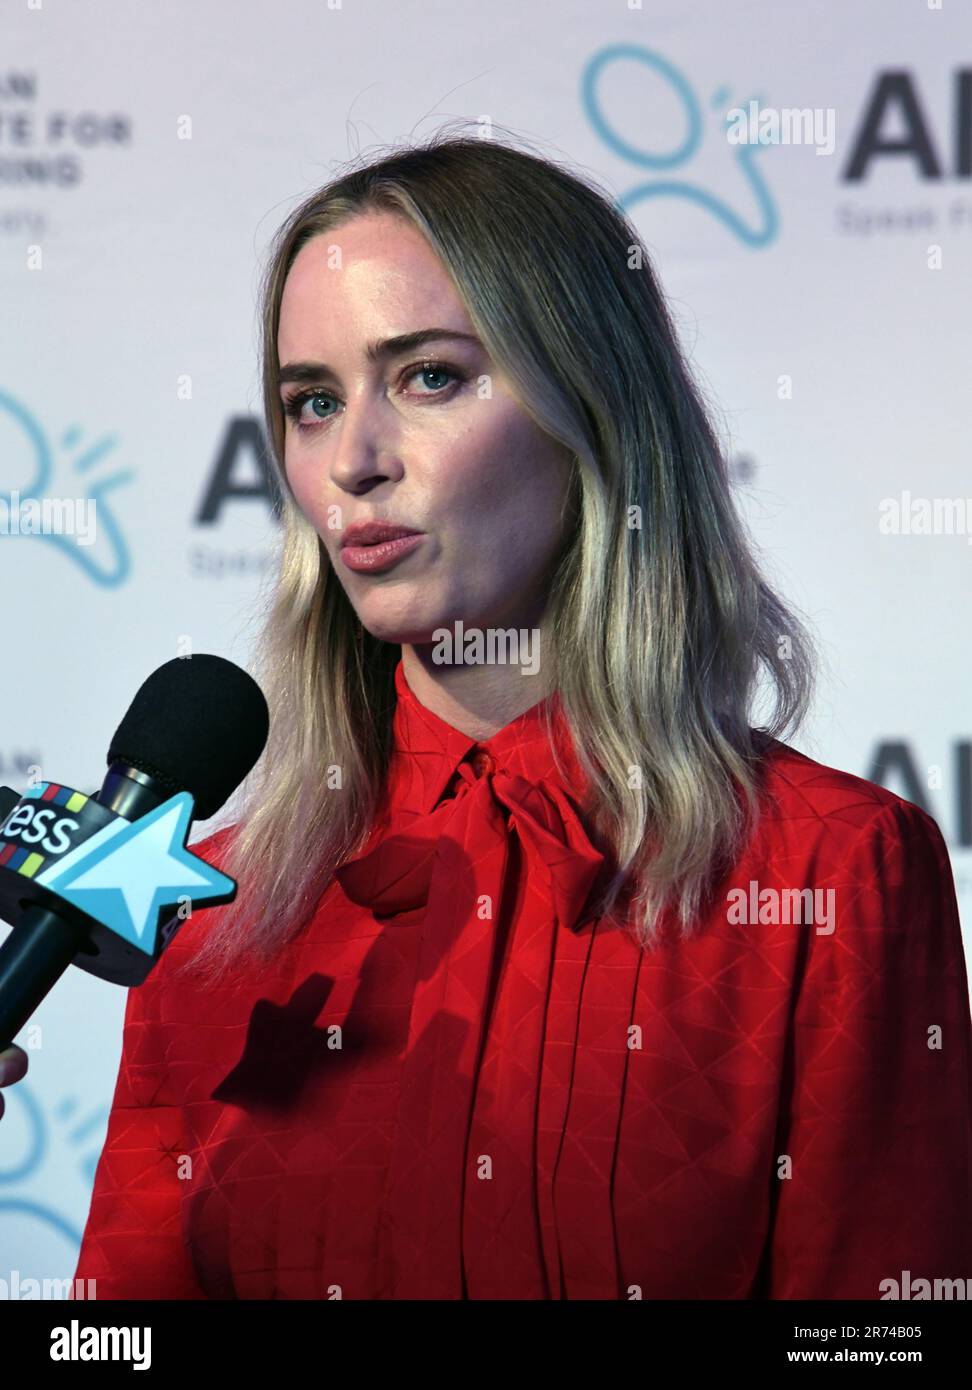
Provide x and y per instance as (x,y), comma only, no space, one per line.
(549,976)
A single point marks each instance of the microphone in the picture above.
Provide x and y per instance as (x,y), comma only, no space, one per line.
(92,880)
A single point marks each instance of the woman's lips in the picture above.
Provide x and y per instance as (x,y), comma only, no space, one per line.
(373,559)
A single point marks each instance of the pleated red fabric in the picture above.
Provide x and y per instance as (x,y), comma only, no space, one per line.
(458,1082)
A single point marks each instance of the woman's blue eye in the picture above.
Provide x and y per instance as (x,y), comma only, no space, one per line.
(434,371)
(318,396)
(294,406)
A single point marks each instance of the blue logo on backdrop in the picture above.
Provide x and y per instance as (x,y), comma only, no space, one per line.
(758,233)
(31,1136)
(23,440)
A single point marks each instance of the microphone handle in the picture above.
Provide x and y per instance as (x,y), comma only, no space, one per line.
(32,959)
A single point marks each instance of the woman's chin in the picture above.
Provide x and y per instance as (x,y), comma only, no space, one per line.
(402,629)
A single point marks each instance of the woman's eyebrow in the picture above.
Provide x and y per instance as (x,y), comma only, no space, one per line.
(378,351)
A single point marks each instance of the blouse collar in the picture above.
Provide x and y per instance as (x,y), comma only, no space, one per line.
(429,834)
(427,751)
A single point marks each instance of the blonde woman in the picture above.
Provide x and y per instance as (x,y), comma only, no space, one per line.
(550,975)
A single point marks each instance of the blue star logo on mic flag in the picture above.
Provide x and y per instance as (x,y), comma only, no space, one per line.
(125,873)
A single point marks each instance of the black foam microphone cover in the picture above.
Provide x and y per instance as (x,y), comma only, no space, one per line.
(197,724)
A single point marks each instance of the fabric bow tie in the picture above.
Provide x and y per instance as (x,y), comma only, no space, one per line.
(463,847)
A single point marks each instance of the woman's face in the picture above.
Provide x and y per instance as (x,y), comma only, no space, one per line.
(428,437)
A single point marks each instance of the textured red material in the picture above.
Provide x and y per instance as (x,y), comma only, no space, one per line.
(455,1084)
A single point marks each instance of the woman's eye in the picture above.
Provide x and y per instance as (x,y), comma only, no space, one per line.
(295,407)
(433,372)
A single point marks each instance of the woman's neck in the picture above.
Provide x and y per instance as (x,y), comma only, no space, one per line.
(481,698)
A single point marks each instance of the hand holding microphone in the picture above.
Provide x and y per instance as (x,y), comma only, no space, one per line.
(13,1068)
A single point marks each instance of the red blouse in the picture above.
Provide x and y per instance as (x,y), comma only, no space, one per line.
(456,1084)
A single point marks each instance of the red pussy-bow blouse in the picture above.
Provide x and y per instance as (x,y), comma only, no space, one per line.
(456,1083)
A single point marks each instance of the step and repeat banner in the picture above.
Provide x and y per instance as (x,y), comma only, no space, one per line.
(802,177)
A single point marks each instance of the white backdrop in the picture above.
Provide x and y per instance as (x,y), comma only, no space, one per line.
(825,299)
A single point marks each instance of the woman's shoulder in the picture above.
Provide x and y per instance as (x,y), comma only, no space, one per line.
(828,809)
(873,872)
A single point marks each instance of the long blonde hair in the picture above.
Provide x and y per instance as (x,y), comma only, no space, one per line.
(662,622)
